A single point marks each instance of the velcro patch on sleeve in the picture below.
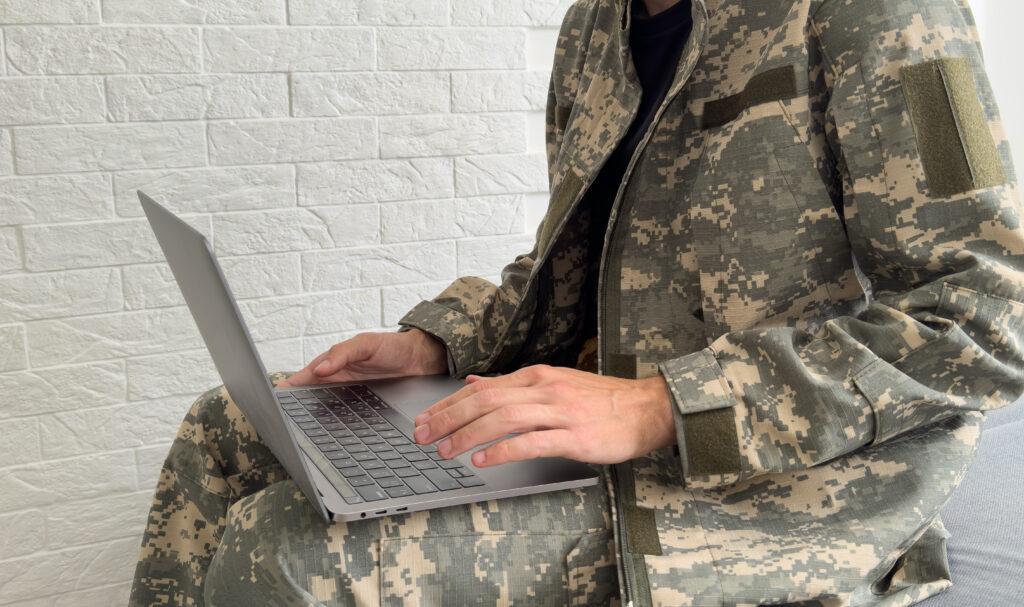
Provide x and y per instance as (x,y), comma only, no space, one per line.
(953,137)
(642,530)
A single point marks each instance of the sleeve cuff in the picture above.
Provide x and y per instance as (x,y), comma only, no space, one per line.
(450,327)
(705,418)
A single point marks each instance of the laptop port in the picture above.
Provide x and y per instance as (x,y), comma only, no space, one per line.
(381,512)
(402,509)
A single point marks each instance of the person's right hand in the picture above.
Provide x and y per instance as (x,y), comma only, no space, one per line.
(375,356)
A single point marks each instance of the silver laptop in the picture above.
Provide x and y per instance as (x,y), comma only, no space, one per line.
(348,446)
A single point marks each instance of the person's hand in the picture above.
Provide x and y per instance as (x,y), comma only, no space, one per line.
(554,412)
(375,356)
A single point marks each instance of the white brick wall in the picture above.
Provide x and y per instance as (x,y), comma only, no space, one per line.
(346,158)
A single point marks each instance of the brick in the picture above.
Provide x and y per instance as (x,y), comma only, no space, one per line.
(297,315)
(431,220)
(22,533)
(197,97)
(402,12)
(459,134)
(263,12)
(82,245)
(103,50)
(6,153)
(21,444)
(451,49)
(98,520)
(374,181)
(10,250)
(400,299)
(373,93)
(110,147)
(57,294)
(13,356)
(316,12)
(163,375)
(103,596)
(500,91)
(288,49)
(54,198)
(46,100)
(66,479)
(52,11)
(63,571)
(296,229)
(153,286)
(378,266)
(206,190)
(529,13)
(502,174)
(275,141)
(282,354)
(487,256)
(63,388)
(88,338)
(122,427)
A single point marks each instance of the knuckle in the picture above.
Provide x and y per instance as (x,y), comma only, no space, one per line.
(510,414)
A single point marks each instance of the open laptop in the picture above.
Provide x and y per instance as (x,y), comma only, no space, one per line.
(348,445)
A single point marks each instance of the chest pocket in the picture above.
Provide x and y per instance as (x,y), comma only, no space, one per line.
(769,241)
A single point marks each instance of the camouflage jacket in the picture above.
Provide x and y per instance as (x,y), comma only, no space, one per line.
(819,245)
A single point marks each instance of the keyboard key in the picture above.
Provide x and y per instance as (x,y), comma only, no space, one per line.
(339,433)
(344,463)
(407,449)
(435,456)
(363,456)
(309,425)
(360,481)
(465,471)
(380,473)
(331,447)
(358,426)
(399,491)
(398,441)
(449,464)
(350,441)
(420,485)
(455,473)
(471,481)
(431,448)
(396,463)
(390,481)
(373,465)
(352,471)
(338,455)
(381,426)
(357,448)
(406,472)
(371,494)
(335,427)
(392,434)
(373,441)
(365,433)
(415,457)
(441,479)
(389,454)
(427,465)
(323,440)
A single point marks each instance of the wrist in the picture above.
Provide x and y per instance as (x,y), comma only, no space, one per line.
(659,400)
(430,352)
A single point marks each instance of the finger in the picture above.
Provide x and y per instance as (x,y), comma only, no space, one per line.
(541,443)
(347,352)
(527,376)
(452,418)
(501,422)
(305,376)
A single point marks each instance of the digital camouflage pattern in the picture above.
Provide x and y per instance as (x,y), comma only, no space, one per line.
(819,245)
(228,528)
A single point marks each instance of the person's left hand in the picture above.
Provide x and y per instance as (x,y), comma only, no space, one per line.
(555,412)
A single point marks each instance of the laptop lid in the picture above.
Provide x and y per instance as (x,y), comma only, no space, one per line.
(227,338)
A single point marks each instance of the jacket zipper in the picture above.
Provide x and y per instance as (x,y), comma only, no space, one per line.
(628,574)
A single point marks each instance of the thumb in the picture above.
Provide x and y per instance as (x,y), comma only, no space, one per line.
(344,354)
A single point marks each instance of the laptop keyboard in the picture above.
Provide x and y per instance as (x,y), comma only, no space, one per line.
(374,457)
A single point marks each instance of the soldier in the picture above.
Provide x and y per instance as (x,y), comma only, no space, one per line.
(784,254)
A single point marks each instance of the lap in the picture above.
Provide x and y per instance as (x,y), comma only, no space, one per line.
(554,548)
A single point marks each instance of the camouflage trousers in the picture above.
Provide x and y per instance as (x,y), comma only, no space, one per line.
(228,527)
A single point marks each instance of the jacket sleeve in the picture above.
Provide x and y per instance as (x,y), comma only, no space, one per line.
(934,221)
(472,315)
